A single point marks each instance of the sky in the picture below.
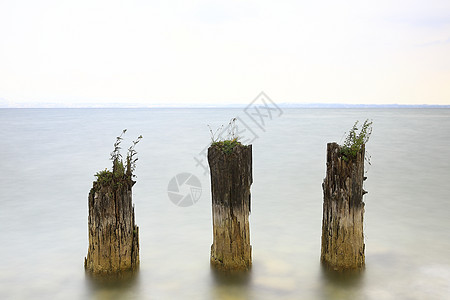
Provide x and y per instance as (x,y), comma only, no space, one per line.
(224,52)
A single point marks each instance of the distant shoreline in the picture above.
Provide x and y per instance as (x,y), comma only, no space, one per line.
(211,106)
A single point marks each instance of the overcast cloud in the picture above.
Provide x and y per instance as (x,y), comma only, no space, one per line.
(225,51)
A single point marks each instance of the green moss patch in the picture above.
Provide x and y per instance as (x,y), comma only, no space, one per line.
(227,146)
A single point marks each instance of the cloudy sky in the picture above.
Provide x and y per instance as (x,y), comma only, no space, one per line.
(220,52)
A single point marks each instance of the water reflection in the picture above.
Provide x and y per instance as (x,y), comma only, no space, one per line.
(120,286)
(341,284)
(230,284)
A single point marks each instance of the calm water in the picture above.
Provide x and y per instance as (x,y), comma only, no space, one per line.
(49,156)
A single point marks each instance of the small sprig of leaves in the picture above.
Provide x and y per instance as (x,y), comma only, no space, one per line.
(230,142)
(232,130)
(131,157)
(215,138)
(115,155)
(118,171)
(354,141)
(104,176)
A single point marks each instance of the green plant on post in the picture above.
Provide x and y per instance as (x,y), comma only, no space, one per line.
(131,159)
(118,165)
(230,142)
(119,172)
(355,140)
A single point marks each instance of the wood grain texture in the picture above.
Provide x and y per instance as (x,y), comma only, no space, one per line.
(113,234)
(343,211)
(231,178)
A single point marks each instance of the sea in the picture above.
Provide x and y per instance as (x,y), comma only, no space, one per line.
(48,158)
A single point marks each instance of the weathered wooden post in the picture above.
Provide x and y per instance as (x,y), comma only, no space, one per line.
(231,177)
(343,210)
(113,234)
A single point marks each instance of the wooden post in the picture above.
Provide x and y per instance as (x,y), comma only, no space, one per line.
(343,211)
(231,178)
(113,234)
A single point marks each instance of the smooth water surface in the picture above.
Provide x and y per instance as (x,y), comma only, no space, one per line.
(49,157)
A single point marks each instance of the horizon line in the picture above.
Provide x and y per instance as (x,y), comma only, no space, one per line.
(119,105)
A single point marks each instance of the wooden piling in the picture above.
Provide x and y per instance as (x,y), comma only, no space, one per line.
(343,211)
(113,234)
(231,178)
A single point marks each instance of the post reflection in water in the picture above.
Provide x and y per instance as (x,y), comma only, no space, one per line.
(120,286)
(230,284)
(341,284)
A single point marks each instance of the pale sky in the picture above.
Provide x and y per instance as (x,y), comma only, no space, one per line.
(222,52)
